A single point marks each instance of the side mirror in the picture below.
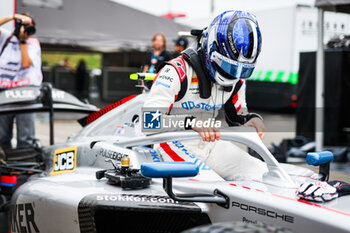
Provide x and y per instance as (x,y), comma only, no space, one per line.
(166,169)
(318,158)
(322,159)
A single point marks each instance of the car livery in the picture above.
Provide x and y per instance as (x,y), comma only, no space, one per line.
(79,202)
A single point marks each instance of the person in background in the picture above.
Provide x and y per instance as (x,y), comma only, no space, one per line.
(81,79)
(180,45)
(20,65)
(65,63)
(158,56)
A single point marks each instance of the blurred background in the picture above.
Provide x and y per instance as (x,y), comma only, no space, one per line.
(111,40)
(114,36)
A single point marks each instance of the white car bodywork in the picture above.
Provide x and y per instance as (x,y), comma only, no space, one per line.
(71,200)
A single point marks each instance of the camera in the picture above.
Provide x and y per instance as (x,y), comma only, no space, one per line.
(30,30)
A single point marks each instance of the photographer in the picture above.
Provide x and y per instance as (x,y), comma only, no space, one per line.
(20,65)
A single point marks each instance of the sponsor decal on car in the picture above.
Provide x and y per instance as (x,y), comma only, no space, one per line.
(135,198)
(31,93)
(292,199)
(20,94)
(64,160)
(262,211)
(246,220)
(57,94)
(110,154)
(130,202)
(154,154)
(23,218)
(201,165)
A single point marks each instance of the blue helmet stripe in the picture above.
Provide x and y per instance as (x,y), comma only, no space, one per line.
(241,36)
(259,41)
(221,34)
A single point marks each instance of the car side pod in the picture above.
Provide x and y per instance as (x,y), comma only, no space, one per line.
(321,159)
(168,170)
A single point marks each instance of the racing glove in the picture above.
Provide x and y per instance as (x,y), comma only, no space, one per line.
(323,191)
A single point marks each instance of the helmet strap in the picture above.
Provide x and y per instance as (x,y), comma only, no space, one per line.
(194,57)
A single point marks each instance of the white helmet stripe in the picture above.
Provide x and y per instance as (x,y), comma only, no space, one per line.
(255,39)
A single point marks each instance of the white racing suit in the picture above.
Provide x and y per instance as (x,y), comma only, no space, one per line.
(176,90)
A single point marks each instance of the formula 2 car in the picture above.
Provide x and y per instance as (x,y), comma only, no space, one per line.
(108,178)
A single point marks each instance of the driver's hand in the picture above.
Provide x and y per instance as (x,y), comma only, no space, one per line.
(208,134)
(317,191)
(258,124)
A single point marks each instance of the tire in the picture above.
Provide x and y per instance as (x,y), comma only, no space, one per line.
(238,227)
(4,228)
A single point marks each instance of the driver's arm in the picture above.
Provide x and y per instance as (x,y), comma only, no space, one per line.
(165,88)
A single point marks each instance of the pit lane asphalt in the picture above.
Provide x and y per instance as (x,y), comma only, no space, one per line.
(279,126)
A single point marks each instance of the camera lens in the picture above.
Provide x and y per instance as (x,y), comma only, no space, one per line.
(30,30)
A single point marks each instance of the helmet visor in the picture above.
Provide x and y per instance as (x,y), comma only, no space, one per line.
(231,68)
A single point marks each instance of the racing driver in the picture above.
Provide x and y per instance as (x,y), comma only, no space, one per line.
(207,77)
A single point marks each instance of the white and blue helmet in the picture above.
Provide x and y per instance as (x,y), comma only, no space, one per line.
(231,44)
